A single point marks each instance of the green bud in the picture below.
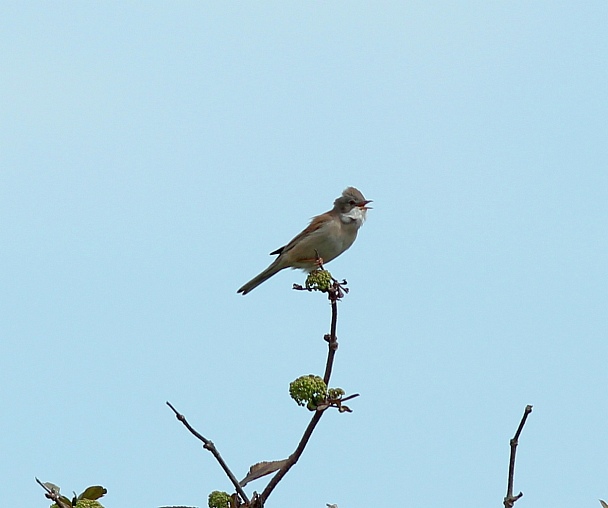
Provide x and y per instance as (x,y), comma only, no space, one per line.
(319,280)
(335,393)
(308,390)
(219,499)
(84,503)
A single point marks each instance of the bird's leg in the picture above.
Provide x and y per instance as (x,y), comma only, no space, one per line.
(318,261)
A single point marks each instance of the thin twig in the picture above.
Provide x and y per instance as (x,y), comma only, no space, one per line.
(335,294)
(350,397)
(332,341)
(510,499)
(208,445)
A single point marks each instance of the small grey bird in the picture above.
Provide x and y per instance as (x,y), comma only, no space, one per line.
(327,235)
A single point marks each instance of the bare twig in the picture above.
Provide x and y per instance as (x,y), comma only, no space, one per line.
(335,293)
(208,445)
(350,397)
(332,339)
(55,496)
(510,499)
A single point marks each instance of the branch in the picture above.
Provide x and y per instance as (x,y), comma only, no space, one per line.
(335,293)
(208,445)
(510,499)
(332,339)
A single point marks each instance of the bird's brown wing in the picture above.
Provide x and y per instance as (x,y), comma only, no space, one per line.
(315,223)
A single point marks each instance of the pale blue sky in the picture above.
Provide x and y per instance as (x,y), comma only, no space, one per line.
(152,154)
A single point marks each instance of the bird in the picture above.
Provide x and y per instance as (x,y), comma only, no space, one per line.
(327,236)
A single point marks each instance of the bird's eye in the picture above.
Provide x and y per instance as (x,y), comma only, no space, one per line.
(352,202)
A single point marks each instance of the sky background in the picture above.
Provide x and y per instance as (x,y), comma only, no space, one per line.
(153,153)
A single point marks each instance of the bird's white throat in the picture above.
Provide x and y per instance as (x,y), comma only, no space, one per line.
(356,214)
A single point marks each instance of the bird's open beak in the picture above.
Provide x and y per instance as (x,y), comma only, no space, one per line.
(364,206)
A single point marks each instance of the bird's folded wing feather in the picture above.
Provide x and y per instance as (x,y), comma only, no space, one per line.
(315,224)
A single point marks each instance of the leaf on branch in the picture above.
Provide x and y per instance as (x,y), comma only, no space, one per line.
(262,469)
(60,501)
(93,492)
(604,505)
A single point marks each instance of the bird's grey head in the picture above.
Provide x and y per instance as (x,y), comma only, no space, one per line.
(351,206)
(350,198)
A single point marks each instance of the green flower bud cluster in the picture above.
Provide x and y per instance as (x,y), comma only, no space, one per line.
(88,503)
(335,393)
(308,390)
(219,499)
(84,503)
(319,280)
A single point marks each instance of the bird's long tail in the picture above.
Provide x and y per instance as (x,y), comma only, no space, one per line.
(262,277)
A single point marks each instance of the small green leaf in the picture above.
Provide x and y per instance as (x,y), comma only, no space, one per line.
(66,501)
(93,492)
